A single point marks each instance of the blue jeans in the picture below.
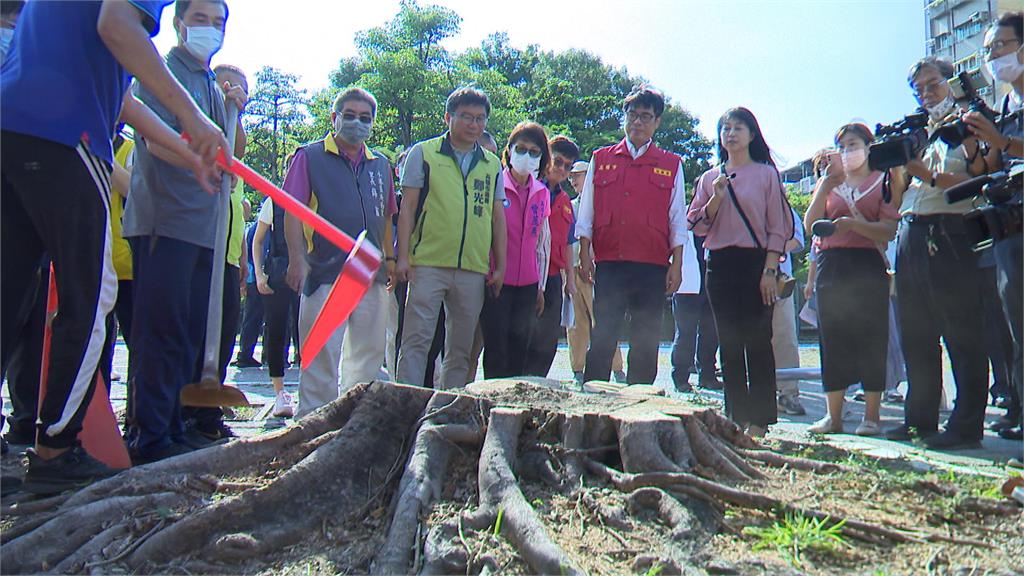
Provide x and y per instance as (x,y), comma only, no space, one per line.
(695,332)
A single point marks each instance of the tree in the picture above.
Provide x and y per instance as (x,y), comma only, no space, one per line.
(275,116)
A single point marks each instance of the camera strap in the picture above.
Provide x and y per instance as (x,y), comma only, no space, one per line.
(849,194)
(739,209)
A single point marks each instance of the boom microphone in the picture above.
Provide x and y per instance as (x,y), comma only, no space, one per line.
(972,187)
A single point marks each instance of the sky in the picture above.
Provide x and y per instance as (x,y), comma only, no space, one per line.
(804,67)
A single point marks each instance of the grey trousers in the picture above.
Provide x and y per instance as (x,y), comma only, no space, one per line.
(784,343)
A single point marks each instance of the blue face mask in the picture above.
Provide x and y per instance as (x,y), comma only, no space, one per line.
(352,131)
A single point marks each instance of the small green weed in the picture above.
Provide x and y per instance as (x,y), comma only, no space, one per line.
(797,534)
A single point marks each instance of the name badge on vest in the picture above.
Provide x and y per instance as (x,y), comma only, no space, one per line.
(663,172)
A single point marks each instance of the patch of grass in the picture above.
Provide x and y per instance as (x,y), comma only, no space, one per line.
(796,534)
(654,570)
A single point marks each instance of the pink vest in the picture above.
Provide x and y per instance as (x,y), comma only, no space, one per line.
(631,202)
(524,217)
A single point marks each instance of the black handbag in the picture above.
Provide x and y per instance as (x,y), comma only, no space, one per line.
(786,283)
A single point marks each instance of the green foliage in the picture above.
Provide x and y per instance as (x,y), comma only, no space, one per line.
(275,121)
(797,534)
(654,570)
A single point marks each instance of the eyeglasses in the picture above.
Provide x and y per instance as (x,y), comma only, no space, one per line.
(997,45)
(364,118)
(644,118)
(533,152)
(561,164)
(470,119)
(929,87)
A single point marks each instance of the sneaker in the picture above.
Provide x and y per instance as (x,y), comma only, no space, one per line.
(115,376)
(1015,433)
(893,397)
(620,377)
(249,362)
(217,431)
(790,404)
(858,396)
(868,428)
(283,406)
(1015,463)
(74,468)
(173,449)
(950,440)
(825,426)
(710,383)
(1004,422)
(903,433)
(684,387)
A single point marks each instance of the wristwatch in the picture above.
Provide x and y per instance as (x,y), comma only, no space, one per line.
(769,271)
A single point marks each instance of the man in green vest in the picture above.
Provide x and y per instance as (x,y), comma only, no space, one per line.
(451,223)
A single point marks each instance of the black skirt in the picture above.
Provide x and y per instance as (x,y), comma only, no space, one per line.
(853,318)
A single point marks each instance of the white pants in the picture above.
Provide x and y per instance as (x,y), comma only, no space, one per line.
(784,344)
(359,344)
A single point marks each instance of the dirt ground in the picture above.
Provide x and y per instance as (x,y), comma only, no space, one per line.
(977,531)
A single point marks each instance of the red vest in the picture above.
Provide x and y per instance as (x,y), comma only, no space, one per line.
(631,202)
(560,222)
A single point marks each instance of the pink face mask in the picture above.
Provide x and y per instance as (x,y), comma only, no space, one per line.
(854,159)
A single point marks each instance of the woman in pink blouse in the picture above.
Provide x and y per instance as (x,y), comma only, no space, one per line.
(740,209)
(852,283)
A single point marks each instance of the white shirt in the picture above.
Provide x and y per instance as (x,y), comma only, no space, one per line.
(679,233)
(267,213)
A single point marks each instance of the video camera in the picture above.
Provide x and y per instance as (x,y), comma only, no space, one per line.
(900,142)
(1002,216)
(964,88)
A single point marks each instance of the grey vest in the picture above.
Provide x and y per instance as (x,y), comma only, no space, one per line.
(352,201)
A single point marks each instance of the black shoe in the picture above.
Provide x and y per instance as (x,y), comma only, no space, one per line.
(74,468)
(903,433)
(950,440)
(247,363)
(683,387)
(197,441)
(1016,433)
(1003,423)
(219,431)
(710,383)
(172,450)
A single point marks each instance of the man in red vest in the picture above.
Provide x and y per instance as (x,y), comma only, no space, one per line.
(633,213)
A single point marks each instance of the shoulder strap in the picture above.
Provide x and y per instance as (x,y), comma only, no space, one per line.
(739,209)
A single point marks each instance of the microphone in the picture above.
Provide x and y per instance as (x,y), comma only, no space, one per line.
(823,228)
(971,188)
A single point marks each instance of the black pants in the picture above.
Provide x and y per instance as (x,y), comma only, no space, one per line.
(852,287)
(939,288)
(998,341)
(278,311)
(506,322)
(56,200)
(546,330)
(172,291)
(621,288)
(1009,254)
(26,356)
(210,418)
(120,319)
(744,334)
(252,321)
(695,332)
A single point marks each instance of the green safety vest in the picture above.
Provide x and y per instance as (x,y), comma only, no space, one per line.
(453,224)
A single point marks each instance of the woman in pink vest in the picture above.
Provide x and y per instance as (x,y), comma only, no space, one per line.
(741,210)
(851,281)
(508,317)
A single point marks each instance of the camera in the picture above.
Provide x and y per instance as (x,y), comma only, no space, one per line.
(1001,217)
(900,142)
(964,88)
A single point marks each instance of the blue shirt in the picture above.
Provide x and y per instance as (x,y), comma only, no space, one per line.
(60,82)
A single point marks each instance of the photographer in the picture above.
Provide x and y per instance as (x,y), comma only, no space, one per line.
(1004,58)
(937,280)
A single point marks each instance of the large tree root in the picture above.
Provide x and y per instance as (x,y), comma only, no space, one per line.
(379,459)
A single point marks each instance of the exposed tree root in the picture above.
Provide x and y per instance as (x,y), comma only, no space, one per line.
(679,518)
(782,461)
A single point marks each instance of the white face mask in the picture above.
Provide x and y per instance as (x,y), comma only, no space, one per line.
(524,163)
(6,39)
(1006,68)
(203,41)
(854,159)
(940,110)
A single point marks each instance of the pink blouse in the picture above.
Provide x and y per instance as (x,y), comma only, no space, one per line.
(759,193)
(868,199)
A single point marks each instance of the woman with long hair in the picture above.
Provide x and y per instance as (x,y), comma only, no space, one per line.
(741,210)
(852,282)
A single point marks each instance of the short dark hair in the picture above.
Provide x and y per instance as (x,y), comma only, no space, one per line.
(234,70)
(355,93)
(534,133)
(182,6)
(644,96)
(563,145)
(857,129)
(467,96)
(942,66)
(1013,20)
(11,7)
